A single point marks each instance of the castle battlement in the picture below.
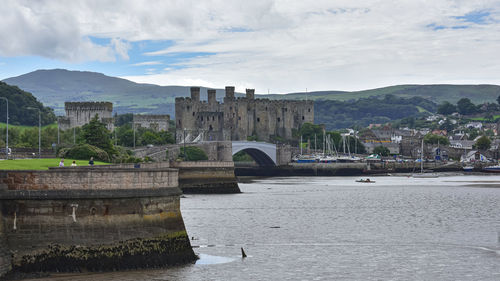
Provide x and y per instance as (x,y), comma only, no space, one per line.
(80,113)
(239,118)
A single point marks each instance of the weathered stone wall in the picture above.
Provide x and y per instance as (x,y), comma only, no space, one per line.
(155,122)
(203,177)
(119,218)
(239,118)
(80,113)
(87,178)
(283,154)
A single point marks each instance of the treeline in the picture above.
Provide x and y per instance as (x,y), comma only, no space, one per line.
(20,103)
(28,137)
(365,111)
(465,107)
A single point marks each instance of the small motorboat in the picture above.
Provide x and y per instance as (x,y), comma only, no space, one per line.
(365,181)
(468,168)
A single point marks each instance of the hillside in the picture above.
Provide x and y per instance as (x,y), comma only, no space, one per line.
(337,114)
(436,93)
(54,87)
(19,101)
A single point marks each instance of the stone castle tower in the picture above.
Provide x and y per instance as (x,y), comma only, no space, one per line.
(238,118)
(80,113)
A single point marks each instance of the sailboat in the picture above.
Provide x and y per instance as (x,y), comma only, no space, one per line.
(422,174)
(347,157)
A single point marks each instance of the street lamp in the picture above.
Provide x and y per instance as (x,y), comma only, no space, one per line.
(7,136)
(39,131)
(133,127)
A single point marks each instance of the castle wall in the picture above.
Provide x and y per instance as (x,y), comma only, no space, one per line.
(80,113)
(241,117)
(155,122)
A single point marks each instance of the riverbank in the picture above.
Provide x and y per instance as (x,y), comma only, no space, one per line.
(348,169)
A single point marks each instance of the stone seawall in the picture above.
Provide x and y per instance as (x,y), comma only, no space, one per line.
(119,218)
(304,169)
(202,177)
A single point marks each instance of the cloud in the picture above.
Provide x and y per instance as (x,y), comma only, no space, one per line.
(147,63)
(268,44)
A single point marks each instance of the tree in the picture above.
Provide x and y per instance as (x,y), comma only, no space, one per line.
(96,134)
(466,107)
(382,150)
(435,139)
(446,108)
(483,143)
(447,125)
(498,99)
(192,153)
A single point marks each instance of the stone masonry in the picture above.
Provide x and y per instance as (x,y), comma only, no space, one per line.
(238,118)
(155,122)
(80,113)
(91,219)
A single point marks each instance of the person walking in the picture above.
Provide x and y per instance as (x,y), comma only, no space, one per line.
(61,164)
(91,162)
(73,164)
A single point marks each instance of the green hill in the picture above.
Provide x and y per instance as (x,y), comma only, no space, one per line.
(436,93)
(19,101)
(336,114)
(56,86)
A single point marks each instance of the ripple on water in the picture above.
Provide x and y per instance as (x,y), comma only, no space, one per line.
(209,259)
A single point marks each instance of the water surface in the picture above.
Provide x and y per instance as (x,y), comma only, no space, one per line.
(332,228)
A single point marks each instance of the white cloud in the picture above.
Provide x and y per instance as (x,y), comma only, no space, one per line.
(281,45)
(147,63)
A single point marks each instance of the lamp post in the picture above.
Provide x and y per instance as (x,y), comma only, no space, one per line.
(7,136)
(39,132)
(184,135)
(133,127)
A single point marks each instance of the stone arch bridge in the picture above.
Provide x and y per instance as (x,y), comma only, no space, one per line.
(264,154)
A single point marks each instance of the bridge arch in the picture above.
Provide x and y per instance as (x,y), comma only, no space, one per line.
(263,153)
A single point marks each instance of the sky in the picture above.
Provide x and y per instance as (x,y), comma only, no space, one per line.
(272,46)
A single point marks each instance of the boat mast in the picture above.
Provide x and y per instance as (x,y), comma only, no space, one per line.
(300,144)
(315,143)
(422,158)
(324,142)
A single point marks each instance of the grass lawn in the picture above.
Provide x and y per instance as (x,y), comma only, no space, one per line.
(22,128)
(41,164)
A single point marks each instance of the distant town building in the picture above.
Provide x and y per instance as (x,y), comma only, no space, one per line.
(80,113)
(238,118)
(155,122)
(475,125)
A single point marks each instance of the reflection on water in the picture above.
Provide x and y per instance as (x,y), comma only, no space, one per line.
(332,228)
(208,259)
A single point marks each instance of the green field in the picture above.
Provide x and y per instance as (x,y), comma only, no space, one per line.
(22,128)
(495,117)
(41,164)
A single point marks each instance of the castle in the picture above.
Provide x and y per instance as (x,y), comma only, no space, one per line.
(238,118)
(155,122)
(80,113)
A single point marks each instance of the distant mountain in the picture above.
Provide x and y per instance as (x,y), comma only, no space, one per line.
(436,93)
(54,87)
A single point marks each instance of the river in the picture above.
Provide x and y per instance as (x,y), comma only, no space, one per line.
(332,228)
